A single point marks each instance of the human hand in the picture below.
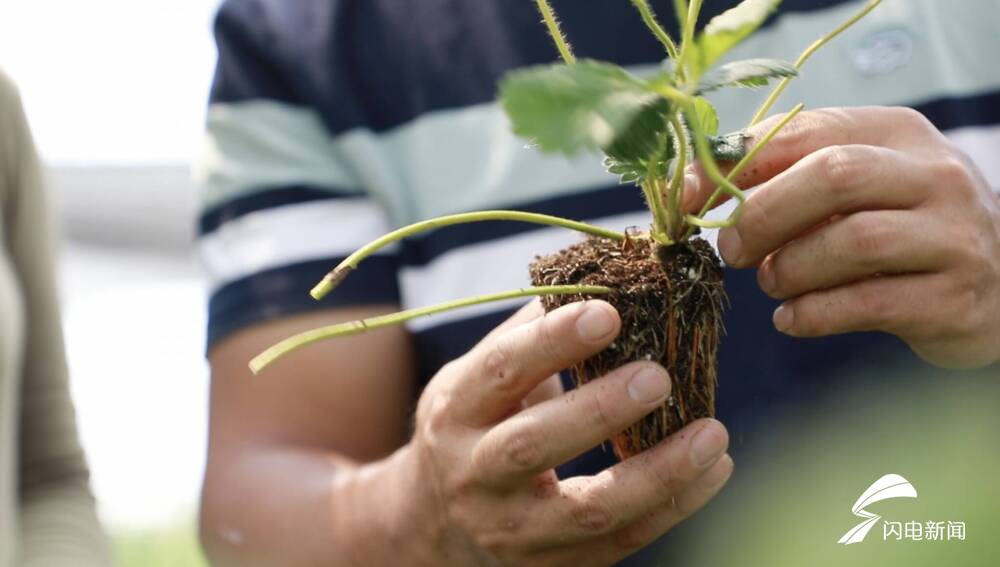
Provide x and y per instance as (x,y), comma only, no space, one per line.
(480,464)
(869,219)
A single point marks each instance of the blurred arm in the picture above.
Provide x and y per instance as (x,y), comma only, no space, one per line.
(300,456)
(58,523)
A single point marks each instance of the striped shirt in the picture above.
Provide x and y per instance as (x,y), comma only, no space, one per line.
(334,121)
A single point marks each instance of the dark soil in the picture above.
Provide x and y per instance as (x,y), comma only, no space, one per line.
(670,300)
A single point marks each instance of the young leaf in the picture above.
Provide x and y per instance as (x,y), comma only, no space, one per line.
(728,147)
(746,73)
(729,28)
(708,118)
(636,170)
(587,106)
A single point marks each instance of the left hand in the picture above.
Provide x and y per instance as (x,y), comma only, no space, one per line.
(869,219)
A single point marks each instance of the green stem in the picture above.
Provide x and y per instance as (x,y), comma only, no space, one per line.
(354,327)
(552,23)
(687,36)
(704,155)
(773,97)
(654,26)
(747,159)
(654,199)
(677,182)
(337,275)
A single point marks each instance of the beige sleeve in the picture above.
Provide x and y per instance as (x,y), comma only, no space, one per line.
(58,521)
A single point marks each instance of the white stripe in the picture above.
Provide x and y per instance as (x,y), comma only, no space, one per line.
(290,234)
(259,144)
(982,145)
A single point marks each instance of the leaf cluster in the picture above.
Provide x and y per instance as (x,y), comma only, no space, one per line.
(590,105)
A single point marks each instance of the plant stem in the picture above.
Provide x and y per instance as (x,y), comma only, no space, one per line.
(654,200)
(654,26)
(748,158)
(555,31)
(677,182)
(687,36)
(354,327)
(704,155)
(337,275)
(809,51)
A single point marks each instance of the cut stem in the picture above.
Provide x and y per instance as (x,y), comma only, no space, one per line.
(290,344)
(549,15)
(654,26)
(809,51)
(743,163)
(337,275)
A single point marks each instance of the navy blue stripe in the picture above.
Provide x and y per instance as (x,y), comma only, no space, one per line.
(958,112)
(596,203)
(379,64)
(284,291)
(228,211)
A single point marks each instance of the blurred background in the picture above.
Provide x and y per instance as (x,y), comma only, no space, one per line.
(115,91)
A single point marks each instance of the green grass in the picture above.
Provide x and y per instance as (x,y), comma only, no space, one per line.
(175,546)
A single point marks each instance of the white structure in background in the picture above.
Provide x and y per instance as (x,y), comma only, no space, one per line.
(115,92)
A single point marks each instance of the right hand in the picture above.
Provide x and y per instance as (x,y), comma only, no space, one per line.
(481,463)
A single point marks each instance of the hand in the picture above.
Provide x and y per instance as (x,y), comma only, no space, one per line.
(484,462)
(869,219)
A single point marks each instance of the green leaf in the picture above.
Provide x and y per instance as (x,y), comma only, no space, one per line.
(587,106)
(707,117)
(746,73)
(636,170)
(729,28)
(728,147)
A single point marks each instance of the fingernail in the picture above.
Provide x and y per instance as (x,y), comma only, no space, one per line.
(594,323)
(649,384)
(783,318)
(766,277)
(730,246)
(707,446)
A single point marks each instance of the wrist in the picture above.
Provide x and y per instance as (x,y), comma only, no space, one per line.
(388,514)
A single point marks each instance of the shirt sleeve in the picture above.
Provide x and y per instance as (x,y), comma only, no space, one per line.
(280,203)
(58,522)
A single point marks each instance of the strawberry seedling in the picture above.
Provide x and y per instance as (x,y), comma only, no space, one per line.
(665,282)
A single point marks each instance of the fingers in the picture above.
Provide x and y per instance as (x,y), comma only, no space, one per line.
(835,180)
(650,527)
(855,247)
(555,431)
(491,380)
(612,500)
(809,132)
(889,303)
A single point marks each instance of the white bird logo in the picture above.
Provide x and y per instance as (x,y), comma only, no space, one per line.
(889,486)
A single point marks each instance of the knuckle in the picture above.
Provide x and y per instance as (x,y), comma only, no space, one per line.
(952,173)
(847,167)
(522,451)
(598,414)
(433,413)
(500,362)
(592,514)
(910,118)
(868,240)
(637,535)
(873,306)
